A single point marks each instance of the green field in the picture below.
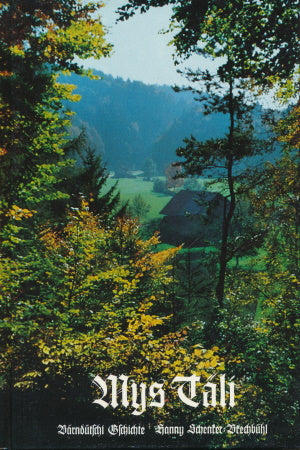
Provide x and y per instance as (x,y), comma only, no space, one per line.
(249,262)
(130,187)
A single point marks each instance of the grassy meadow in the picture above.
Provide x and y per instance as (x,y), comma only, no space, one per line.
(130,187)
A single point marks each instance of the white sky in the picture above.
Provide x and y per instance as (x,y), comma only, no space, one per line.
(140,52)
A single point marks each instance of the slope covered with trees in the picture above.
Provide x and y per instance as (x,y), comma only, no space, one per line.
(130,117)
(129,121)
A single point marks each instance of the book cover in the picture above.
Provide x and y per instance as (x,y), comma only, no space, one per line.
(149,218)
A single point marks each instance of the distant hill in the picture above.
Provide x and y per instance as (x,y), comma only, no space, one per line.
(191,122)
(128,121)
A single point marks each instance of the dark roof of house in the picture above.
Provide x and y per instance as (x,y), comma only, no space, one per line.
(190,202)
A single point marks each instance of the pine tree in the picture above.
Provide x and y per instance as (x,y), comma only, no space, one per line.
(86,179)
(91,180)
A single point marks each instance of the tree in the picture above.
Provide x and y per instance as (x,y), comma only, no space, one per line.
(223,94)
(192,184)
(272,284)
(139,207)
(267,341)
(91,296)
(173,178)
(149,169)
(213,30)
(92,179)
(195,273)
(86,179)
(38,41)
(160,187)
(259,44)
(260,38)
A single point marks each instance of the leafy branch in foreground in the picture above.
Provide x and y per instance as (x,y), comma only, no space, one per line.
(38,41)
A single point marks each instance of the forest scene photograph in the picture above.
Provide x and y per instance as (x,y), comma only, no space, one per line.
(149,215)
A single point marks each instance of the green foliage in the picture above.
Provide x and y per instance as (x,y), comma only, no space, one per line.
(38,41)
(159,186)
(260,38)
(149,169)
(91,299)
(192,184)
(89,296)
(139,207)
(258,323)
(87,179)
(223,154)
(195,274)
(214,153)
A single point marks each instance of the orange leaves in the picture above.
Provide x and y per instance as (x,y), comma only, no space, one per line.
(18,213)
(50,239)
(163,256)
(153,262)
(94,299)
(6,73)
(289,128)
(127,227)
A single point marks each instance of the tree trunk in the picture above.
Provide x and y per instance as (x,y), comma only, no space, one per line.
(227,215)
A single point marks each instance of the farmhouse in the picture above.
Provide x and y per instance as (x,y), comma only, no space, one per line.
(193,218)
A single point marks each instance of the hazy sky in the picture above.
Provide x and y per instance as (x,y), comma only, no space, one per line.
(140,52)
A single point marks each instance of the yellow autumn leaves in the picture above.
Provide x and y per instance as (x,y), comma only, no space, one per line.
(97,308)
